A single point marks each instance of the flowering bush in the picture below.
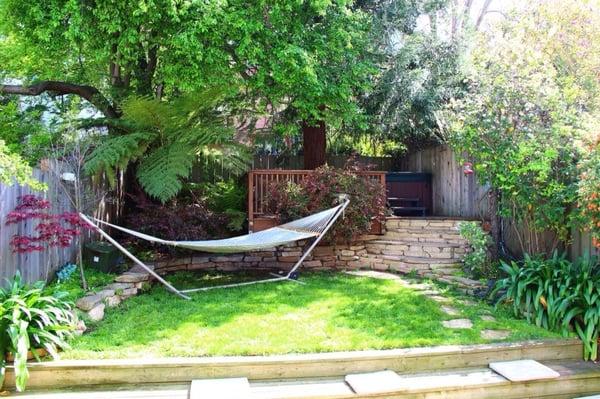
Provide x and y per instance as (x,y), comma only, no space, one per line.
(53,230)
(589,192)
(320,190)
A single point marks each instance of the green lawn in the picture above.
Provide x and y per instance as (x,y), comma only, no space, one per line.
(332,312)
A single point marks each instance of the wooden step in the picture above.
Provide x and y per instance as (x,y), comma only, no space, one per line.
(577,378)
(74,373)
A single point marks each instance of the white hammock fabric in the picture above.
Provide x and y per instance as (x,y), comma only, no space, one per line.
(314,226)
(300,229)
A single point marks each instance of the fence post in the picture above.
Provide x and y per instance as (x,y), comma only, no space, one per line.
(250,201)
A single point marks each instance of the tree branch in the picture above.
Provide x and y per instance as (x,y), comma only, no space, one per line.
(91,94)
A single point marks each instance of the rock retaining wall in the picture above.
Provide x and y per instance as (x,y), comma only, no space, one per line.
(427,247)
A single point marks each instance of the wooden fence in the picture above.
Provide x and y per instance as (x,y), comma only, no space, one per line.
(458,195)
(36,265)
(454,193)
(213,171)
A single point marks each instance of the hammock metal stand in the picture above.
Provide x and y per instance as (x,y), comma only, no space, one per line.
(182,293)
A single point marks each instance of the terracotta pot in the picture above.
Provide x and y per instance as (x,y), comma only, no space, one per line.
(41,352)
(264,222)
(376,227)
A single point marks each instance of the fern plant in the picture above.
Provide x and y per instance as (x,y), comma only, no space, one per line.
(166,138)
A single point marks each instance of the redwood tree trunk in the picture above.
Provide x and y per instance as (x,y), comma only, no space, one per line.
(315,144)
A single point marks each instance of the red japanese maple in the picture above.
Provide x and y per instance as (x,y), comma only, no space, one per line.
(52,230)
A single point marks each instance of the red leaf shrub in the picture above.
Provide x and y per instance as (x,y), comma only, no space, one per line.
(320,191)
(53,230)
(178,221)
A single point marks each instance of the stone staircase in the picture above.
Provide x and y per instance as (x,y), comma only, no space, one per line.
(429,247)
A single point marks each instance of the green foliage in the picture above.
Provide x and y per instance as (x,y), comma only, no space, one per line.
(229,198)
(523,118)
(23,131)
(477,262)
(30,318)
(557,295)
(420,71)
(305,58)
(165,138)
(589,191)
(14,168)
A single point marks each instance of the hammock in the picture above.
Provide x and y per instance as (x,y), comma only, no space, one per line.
(313,226)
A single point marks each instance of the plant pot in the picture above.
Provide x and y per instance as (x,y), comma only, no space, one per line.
(264,222)
(376,227)
(41,352)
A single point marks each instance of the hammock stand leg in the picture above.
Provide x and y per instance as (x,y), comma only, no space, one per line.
(133,258)
(330,223)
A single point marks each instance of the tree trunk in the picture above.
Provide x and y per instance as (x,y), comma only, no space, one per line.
(315,144)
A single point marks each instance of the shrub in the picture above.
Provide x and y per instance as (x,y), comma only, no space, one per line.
(589,192)
(175,221)
(320,190)
(477,262)
(52,230)
(557,295)
(227,198)
(30,318)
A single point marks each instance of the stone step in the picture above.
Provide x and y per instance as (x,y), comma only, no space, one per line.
(403,242)
(431,254)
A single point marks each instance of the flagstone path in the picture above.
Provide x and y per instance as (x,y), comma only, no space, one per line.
(430,291)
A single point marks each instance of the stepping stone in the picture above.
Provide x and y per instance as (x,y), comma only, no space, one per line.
(468,302)
(430,293)
(420,287)
(523,370)
(495,334)
(222,388)
(458,324)
(440,299)
(373,383)
(449,310)
(488,318)
(378,275)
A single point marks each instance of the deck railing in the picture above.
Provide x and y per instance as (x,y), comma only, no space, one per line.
(260,181)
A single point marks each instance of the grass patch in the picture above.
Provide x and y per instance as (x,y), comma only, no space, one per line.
(332,312)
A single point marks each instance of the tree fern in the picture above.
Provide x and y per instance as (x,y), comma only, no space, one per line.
(160,172)
(116,152)
(168,137)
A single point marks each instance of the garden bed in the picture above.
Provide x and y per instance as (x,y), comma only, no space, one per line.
(331,312)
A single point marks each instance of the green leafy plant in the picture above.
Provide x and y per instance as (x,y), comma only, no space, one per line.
(166,138)
(556,294)
(31,319)
(477,262)
(589,191)
(229,198)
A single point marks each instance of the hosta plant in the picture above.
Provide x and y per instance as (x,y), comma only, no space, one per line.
(31,319)
(558,295)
